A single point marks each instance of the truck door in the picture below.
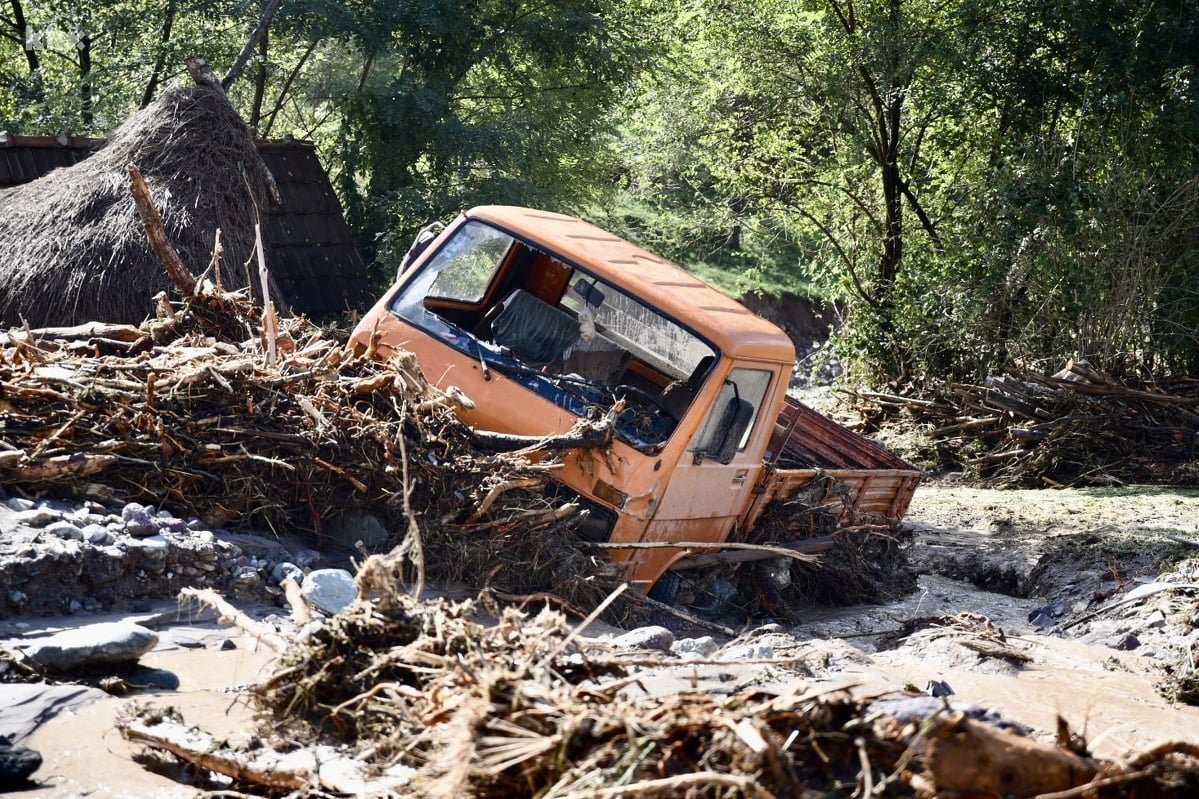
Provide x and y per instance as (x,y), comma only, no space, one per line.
(712,484)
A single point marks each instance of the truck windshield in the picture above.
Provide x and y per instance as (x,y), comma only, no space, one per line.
(571,337)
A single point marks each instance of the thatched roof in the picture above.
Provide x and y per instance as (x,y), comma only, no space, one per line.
(72,248)
(309,248)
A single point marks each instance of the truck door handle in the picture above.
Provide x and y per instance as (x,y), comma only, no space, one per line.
(740,477)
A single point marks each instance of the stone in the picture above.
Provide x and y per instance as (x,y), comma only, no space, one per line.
(245,581)
(938,689)
(1125,642)
(172,525)
(305,558)
(17,763)
(152,550)
(227,644)
(37,517)
(155,680)
(139,520)
(703,647)
(282,570)
(19,504)
(750,651)
(1047,615)
(96,644)
(1156,620)
(654,637)
(65,529)
(329,590)
(96,535)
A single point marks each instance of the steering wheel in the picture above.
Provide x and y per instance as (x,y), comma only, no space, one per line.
(644,396)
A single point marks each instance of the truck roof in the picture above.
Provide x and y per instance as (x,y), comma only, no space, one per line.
(722,320)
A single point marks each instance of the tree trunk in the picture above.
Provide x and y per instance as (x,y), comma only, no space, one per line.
(21,25)
(168,23)
(259,83)
(86,105)
(239,63)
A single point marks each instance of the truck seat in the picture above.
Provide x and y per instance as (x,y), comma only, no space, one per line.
(677,397)
(535,331)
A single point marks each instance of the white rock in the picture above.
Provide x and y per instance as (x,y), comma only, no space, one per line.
(329,590)
(111,642)
(654,637)
(702,647)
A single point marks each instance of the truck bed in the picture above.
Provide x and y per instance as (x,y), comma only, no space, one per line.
(831,465)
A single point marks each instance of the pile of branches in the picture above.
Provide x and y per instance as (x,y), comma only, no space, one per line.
(183,413)
(1079,427)
(397,697)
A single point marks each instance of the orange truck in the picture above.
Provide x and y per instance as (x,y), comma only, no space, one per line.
(544,319)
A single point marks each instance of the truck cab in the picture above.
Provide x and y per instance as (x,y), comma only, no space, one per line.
(544,320)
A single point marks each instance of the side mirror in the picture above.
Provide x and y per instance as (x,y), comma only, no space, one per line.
(421,243)
(734,421)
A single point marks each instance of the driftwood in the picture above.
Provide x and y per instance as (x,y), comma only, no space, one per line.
(583,436)
(733,551)
(523,707)
(170,260)
(261,632)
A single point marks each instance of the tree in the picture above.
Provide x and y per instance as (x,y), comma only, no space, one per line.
(983,181)
(450,104)
(419,107)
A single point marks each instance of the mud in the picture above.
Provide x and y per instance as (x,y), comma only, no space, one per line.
(994,559)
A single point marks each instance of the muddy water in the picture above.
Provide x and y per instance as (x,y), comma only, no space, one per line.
(1107,695)
(84,755)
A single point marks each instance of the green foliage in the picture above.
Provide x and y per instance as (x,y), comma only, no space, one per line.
(459,104)
(980,182)
(977,182)
(419,107)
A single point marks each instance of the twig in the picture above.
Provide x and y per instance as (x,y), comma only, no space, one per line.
(1089,789)
(231,615)
(595,614)
(497,490)
(674,786)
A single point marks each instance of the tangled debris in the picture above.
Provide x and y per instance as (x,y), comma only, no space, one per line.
(1079,427)
(408,698)
(182,413)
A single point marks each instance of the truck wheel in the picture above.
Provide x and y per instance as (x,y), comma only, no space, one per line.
(666,589)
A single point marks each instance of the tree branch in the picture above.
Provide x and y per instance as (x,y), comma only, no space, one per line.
(925,222)
(282,98)
(243,58)
(152,221)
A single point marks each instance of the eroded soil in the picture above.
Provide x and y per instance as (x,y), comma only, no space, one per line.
(1027,604)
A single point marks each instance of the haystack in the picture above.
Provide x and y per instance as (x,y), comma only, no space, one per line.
(71,246)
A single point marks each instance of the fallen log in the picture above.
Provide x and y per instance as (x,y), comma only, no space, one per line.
(585,436)
(981,760)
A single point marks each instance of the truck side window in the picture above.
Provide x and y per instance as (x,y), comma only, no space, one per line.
(751,386)
(465,265)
